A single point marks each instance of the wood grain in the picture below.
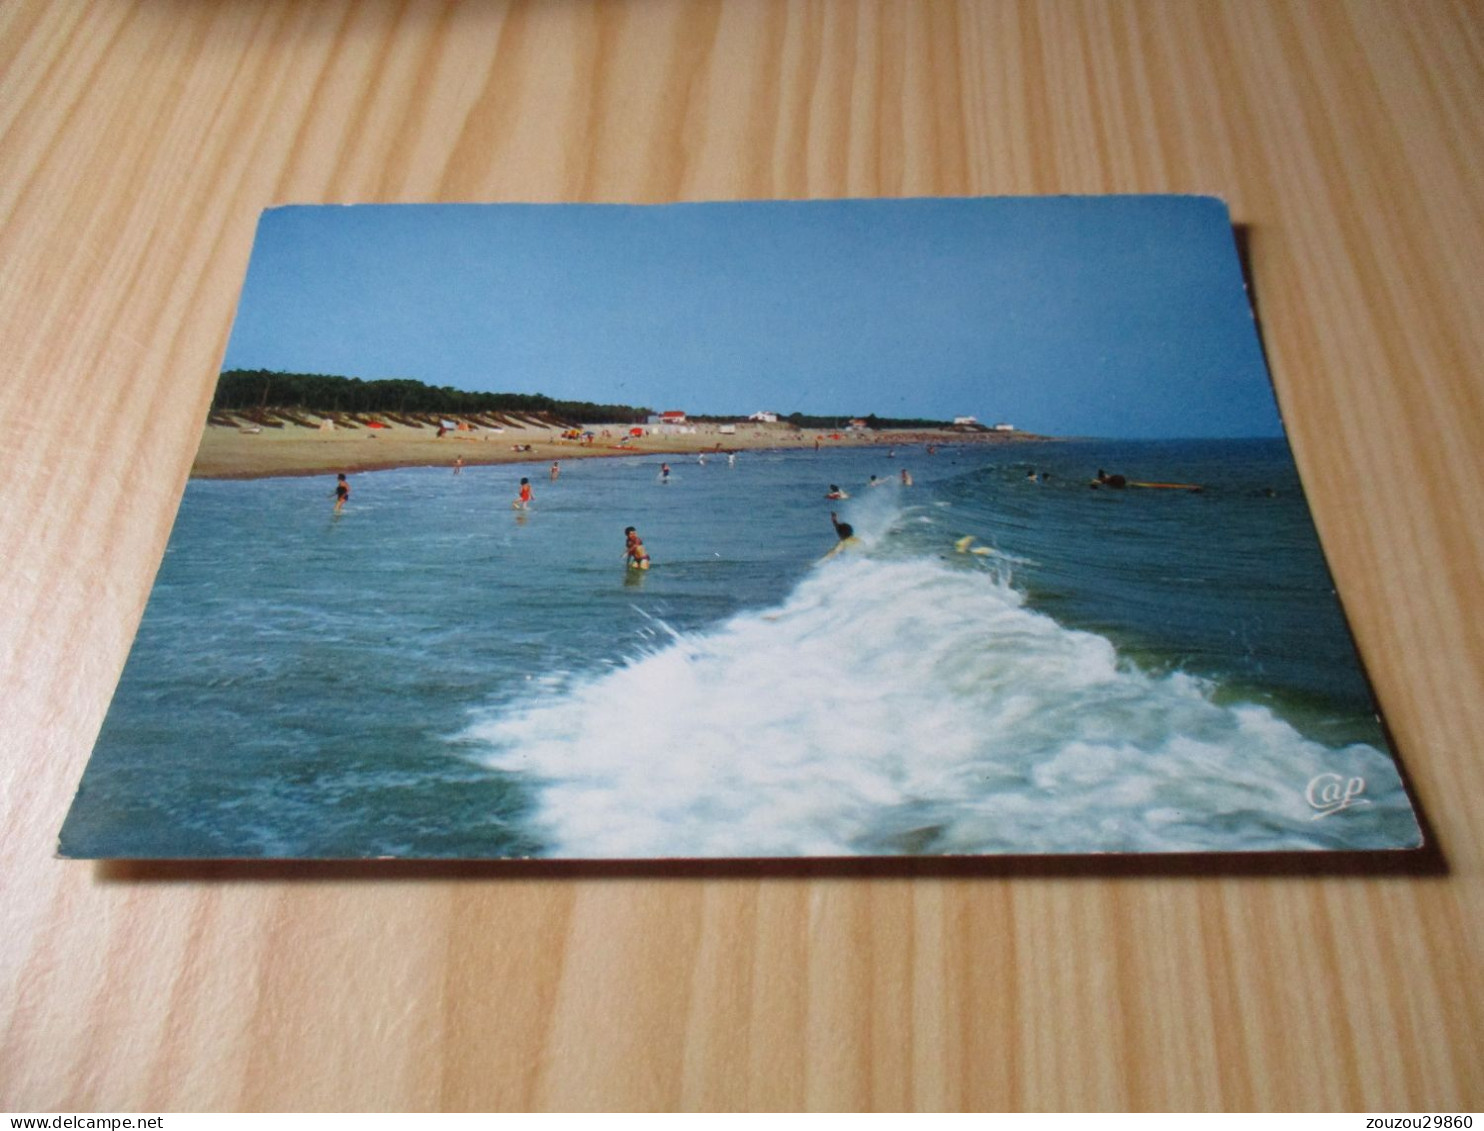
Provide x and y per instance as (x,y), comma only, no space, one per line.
(138,142)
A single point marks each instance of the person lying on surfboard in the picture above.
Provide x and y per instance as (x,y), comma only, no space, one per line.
(1106,480)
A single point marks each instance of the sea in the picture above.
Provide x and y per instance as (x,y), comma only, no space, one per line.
(1002,660)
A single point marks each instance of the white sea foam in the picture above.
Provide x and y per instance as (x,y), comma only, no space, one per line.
(918,706)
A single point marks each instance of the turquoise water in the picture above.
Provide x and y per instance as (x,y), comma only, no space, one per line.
(432,674)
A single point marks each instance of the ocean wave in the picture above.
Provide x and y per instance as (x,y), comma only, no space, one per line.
(919,706)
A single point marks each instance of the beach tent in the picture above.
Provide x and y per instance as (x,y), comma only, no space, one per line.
(636,431)
(449,424)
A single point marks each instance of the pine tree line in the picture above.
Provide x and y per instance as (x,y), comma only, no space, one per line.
(248,389)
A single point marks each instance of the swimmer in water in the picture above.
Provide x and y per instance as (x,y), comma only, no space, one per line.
(556,469)
(845,533)
(524,501)
(342,492)
(634,552)
(835,493)
(664,473)
(906,478)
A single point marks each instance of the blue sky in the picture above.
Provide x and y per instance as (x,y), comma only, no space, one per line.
(1095,316)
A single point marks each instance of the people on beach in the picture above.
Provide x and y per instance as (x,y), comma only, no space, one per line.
(342,492)
(523,502)
(556,469)
(835,493)
(634,551)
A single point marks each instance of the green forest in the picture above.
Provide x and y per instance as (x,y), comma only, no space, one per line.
(263,390)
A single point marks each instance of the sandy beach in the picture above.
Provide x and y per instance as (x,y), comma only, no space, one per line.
(228,452)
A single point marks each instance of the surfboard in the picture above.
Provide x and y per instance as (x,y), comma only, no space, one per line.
(1168,486)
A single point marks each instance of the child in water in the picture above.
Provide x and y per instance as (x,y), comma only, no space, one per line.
(845,533)
(634,551)
(525,494)
(342,492)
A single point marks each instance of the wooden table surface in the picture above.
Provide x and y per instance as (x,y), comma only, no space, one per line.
(138,141)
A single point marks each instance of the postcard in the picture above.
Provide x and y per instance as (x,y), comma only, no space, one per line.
(852,528)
